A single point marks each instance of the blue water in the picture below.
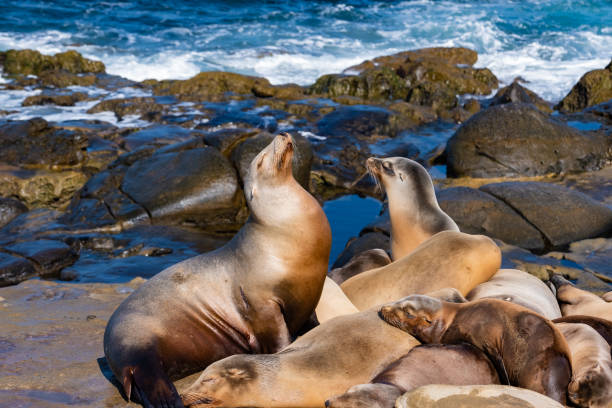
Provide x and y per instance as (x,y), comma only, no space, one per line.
(550,43)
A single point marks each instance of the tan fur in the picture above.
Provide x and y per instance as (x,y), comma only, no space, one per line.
(574,301)
(448,259)
(333,302)
(521,288)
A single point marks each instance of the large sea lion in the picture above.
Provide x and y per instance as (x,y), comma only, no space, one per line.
(591,384)
(326,361)
(448,259)
(474,396)
(526,348)
(249,296)
(574,301)
(458,364)
(413,208)
(521,288)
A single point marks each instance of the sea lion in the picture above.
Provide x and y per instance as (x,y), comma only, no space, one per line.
(448,259)
(591,384)
(601,326)
(364,261)
(457,364)
(249,296)
(333,302)
(413,208)
(521,288)
(472,396)
(574,301)
(326,361)
(527,350)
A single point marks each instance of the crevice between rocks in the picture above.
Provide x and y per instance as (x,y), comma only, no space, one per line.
(135,202)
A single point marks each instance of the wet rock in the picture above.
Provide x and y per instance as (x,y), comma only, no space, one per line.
(477,212)
(9,209)
(157,135)
(591,254)
(516,93)
(35,142)
(49,256)
(560,214)
(361,122)
(30,62)
(40,188)
(14,269)
(429,77)
(128,106)
(226,140)
(60,100)
(64,79)
(242,156)
(593,88)
(196,186)
(519,140)
(355,246)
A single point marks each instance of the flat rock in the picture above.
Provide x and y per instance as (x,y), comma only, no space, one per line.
(50,256)
(562,215)
(14,269)
(9,209)
(518,140)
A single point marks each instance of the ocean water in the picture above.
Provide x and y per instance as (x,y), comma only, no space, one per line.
(549,43)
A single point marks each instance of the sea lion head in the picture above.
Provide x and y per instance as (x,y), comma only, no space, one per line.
(366,396)
(221,383)
(419,315)
(592,388)
(271,167)
(400,174)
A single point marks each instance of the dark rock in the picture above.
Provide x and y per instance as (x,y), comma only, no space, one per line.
(361,262)
(9,209)
(225,140)
(128,106)
(560,214)
(60,100)
(355,246)
(49,255)
(34,141)
(302,158)
(361,122)
(30,62)
(593,88)
(63,79)
(157,135)
(519,140)
(14,269)
(195,186)
(591,254)
(515,93)
(477,212)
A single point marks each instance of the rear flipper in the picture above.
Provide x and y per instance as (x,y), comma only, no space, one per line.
(150,386)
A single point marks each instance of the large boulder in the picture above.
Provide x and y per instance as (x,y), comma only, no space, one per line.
(516,93)
(518,140)
(593,88)
(477,212)
(30,62)
(560,214)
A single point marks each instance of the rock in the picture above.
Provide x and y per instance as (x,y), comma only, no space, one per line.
(157,135)
(53,333)
(560,214)
(14,269)
(468,396)
(519,140)
(515,93)
(226,140)
(591,254)
(9,209)
(128,106)
(362,122)
(49,256)
(355,246)
(477,212)
(60,100)
(64,79)
(429,77)
(593,88)
(30,62)
(242,156)
(196,186)
(40,188)
(35,142)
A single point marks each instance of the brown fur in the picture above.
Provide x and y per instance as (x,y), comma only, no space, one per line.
(413,207)
(527,349)
(250,296)
(326,361)
(448,259)
(364,261)
(601,326)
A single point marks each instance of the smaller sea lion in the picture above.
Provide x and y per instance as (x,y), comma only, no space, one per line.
(601,326)
(521,288)
(364,261)
(472,396)
(527,350)
(333,302)
(458,364)
(449,259)
(574,301)
(413,208)
(591,384)
(326,361)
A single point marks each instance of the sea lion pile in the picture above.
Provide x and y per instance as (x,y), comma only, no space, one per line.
(439,310)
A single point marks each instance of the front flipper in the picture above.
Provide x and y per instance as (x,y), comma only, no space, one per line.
(152,387)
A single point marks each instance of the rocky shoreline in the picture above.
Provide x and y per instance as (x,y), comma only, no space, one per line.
(161,180)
